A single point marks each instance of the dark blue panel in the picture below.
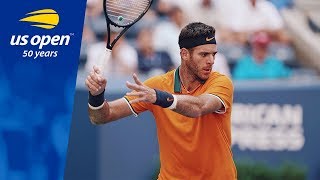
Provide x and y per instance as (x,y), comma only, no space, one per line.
(37,91)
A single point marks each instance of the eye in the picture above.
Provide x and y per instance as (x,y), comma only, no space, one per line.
(214,54)
(203,54)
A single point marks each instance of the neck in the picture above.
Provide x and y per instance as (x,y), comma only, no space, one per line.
(188,79)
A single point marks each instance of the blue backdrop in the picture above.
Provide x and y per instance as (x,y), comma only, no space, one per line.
(36,93)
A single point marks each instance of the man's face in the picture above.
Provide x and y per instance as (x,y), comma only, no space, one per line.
(201,59)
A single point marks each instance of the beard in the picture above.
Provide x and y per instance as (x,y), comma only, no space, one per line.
(196,71)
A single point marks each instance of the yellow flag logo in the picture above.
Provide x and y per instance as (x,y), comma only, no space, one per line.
(44,18)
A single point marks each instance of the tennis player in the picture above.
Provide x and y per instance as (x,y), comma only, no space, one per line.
(191,105)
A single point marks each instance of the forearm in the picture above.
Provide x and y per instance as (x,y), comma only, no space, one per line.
(187,105)
(190,106)
(99,109)
(99,116)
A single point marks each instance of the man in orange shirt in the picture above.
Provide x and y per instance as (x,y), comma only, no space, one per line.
(191,105)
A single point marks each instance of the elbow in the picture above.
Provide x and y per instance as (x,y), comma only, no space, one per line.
(98,119)
(96,122)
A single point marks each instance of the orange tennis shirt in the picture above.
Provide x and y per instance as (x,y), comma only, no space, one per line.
(193,148)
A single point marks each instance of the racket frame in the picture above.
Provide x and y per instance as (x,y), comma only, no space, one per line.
(125,27)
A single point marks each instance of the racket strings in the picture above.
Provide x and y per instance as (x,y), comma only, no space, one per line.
(116,12)
(117,9)
(124,12)
(131,3)
(134,11)
(141,6)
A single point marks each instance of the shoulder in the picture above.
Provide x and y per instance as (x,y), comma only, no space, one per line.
(160,81)
(217,78)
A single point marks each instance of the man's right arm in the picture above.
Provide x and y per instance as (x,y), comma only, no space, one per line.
(101,111)
(110,111)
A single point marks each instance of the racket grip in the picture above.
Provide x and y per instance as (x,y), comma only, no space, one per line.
(105,57)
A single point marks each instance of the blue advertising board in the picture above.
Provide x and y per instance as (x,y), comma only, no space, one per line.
(39,54)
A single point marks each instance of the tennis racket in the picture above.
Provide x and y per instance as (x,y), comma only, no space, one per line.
(121,14)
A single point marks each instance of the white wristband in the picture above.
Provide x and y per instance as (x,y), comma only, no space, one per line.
(96,108)
(174,104)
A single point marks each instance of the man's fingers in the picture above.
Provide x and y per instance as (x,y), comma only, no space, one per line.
(135,93)
(135,86)
(94,83)
(90,86)
(96,69)
(102,80)
(137,100)
(97,72)
(94,76)
(97,78)
(136,79)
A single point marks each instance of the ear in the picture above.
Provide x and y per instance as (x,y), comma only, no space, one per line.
(184,53)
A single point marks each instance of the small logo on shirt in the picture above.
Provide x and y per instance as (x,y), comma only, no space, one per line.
(209,39)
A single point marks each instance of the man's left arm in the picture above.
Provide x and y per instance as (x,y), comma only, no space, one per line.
(196,106)
(216,99)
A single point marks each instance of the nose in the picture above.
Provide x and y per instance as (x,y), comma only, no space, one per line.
(210,59)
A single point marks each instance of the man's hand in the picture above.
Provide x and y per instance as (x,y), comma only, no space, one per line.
(95,82)
(143,93)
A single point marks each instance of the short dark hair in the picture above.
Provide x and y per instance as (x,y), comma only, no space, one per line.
(196,30)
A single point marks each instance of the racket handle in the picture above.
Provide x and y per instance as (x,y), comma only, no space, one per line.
(105,57)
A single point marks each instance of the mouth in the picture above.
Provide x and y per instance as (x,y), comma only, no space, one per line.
(207,70)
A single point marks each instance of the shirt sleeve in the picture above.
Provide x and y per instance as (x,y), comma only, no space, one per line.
(222,88)
(140,107)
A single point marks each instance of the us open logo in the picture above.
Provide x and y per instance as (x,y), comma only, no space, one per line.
(45,19)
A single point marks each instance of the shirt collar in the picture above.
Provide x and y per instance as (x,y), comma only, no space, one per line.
(177,81)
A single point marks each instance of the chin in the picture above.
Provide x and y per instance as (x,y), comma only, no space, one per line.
(203,77)
(206,75)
